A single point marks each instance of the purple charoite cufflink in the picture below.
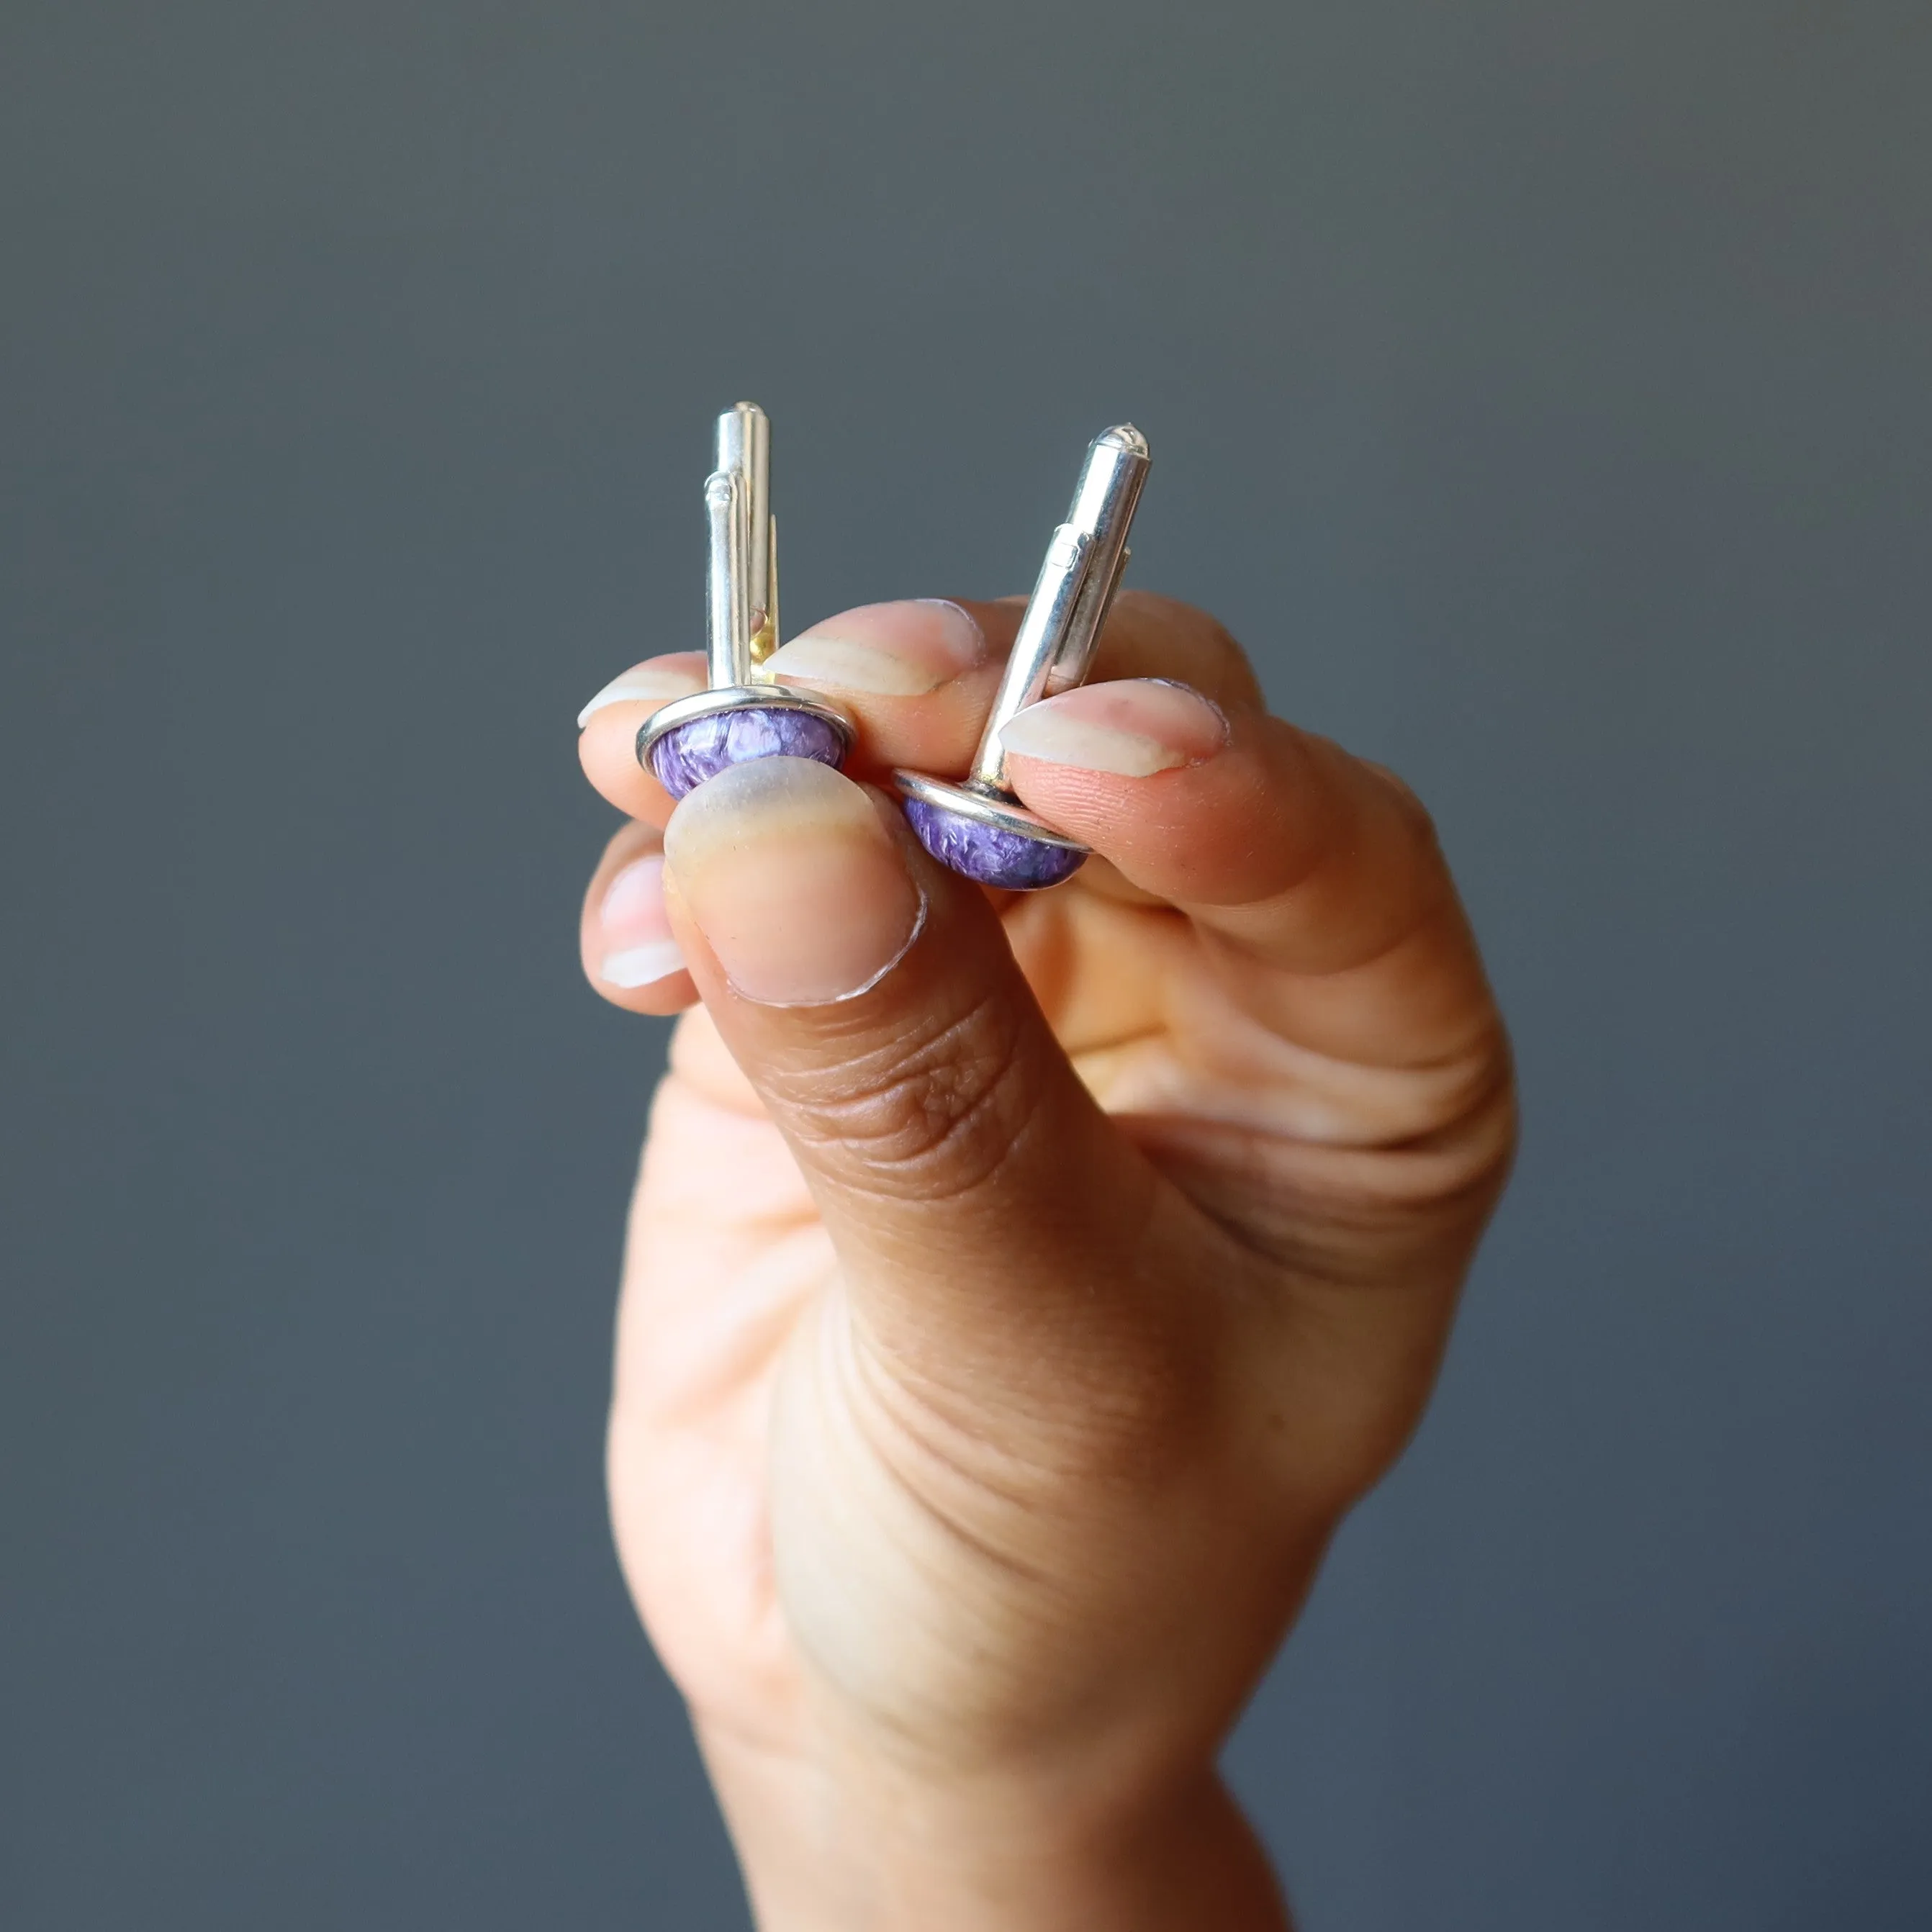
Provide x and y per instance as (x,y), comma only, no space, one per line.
(1018,857)
(978,826)
(740,716)
(685,755)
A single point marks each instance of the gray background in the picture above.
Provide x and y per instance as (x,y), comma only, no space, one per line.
(1541,390)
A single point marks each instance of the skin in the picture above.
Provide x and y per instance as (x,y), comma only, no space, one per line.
(999,1347)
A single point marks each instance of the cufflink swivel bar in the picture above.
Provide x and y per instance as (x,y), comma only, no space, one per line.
(979,827)
(743,601)
(742,715)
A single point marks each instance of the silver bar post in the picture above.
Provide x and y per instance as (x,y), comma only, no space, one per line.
(728,634)
(1070,602)
(744,445)
(743,713)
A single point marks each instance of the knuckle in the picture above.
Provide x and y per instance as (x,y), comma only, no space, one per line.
(929,1114)
(1402,800)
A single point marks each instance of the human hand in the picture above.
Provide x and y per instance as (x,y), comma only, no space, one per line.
(1019,1292)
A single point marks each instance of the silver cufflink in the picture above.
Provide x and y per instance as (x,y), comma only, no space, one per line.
(979,827)
(740,715)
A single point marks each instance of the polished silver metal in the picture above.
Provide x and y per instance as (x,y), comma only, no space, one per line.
(1054,649)
(744,449)
(769,695)
(742,589)
(728,639)
(1001,812)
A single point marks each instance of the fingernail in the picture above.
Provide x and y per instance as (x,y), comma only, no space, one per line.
(1133,728)
(795,884)
(675,676)
(892,650)
(639,947)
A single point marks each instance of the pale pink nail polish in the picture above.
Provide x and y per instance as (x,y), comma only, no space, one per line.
(1133,728)
(653,683)
(889,650)
(638,946)
(799,889)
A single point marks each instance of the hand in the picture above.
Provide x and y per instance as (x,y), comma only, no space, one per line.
(1019,1291)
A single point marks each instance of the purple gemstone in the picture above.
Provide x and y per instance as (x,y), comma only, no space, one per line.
(684,757)
(988,854)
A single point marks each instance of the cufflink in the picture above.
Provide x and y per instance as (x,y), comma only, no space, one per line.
(979,826)
(741,715)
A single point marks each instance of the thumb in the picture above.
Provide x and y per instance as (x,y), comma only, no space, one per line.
(977,1197)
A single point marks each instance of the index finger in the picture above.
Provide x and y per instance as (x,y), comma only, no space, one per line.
(1315,877)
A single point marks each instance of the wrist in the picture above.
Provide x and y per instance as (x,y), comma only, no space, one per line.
(837,1846)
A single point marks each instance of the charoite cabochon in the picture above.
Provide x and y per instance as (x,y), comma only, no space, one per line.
(990,853)
(685,757)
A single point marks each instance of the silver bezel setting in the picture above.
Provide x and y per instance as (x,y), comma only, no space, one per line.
(983,808)
(740,697)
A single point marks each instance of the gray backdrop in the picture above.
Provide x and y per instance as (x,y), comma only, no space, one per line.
(1541,390)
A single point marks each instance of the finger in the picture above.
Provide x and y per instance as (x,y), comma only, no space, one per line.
(630,954)
(918,677)
(607,727)
(1305,865)
(977,1197)
(915,677)
(1316,876)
